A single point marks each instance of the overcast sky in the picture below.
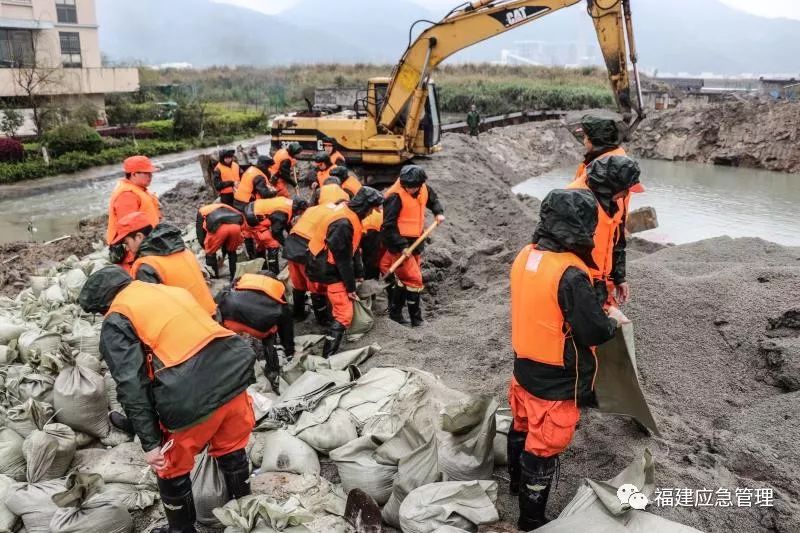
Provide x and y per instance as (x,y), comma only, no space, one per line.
(766,8)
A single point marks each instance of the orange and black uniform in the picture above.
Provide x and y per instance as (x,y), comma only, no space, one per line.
(371,249)
(254,185)
(125,199)
(225,179)
(337,158)
(164,258)
(219,226)
(281,171)
(269,220)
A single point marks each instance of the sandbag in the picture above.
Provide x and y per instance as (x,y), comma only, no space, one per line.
(503,421)
(468,454)
(131,497)
(10,330)
(208,488)
(84,508)
(80,401)
(90,362)
(115,437)
(363,319)
(248,267)
(12,460)
(85,461)
(7,518)
(53,296)
(358,469)
(460,504)
(8,354)
(34,504)
(125,464)
(84,338)
(250,512)
(29,416)
(36,386)
(111,393)
(337,431)
(72,282)
(285,453)
(35,342)
(48,452)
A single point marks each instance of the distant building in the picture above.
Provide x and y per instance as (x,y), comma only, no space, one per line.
(55,42)
(788,88)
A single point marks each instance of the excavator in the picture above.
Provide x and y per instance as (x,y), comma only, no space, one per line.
(399,117)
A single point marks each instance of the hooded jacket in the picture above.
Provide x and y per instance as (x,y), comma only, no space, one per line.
(567,222)
(258,312)
(177,397)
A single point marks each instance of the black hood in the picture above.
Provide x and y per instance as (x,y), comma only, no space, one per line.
(602,132)
(611,175)
(365,199)
(165,239)
(567,222)
(101,288)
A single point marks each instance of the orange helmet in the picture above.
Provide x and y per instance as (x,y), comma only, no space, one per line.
(129,223)
(138,163)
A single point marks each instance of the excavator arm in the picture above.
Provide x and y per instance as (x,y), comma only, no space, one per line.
(482,19)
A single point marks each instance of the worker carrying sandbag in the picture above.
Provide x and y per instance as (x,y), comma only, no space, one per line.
(131,195)
(256,305)
(219,227)
(334,261)
(161,256)
(181,379)
(283,168)
(556,320)
(255,183)
(268,222)
(611,175)
(295,251)
(226,175)
(403,223)
(349,181)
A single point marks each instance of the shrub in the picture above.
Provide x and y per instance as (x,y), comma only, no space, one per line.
(86,113)
(188,121)
(12,121)
(73,137)
(234,122)
(160,129)
(11,151)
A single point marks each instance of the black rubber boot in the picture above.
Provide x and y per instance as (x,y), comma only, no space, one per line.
(333,339)
(236,471)
(176,496)
(414,308)
(232,264)
(319,304)
(250,246)
(121,422)
(213,264)
(514,448)
(272,264)
(396,305)
(536,476)
(299,312)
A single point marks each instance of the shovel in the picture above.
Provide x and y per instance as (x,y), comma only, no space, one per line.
(375,286)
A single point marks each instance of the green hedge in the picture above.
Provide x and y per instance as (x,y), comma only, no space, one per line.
(495,98)
(73,137)
(162,129)
(233,122)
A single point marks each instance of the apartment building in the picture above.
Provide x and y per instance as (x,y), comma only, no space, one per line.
(51,48)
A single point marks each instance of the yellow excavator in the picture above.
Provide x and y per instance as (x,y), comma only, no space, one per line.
(399,117)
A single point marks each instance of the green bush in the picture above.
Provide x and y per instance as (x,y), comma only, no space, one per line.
(188,121)
(161,129)
(234,122)
(495,98)
(73,137)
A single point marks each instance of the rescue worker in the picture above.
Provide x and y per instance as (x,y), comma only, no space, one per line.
(322,162)
(295,251)
(371,248)
(219,226)
(332,149)
(226,175)
(333,260)
(256,305)
(254,184)
(473,121)
(182,381)
(162,257)
(349,181)
(131,195)
(556,321)
(282,169)
(403,223)
(268,221)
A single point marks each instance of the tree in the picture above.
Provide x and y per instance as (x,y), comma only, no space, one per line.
(12,121)
(34,74)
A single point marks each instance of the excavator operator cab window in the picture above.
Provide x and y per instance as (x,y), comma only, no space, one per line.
(380,96)
(431,123)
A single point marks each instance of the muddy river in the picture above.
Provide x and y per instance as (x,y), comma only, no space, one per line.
(695,202)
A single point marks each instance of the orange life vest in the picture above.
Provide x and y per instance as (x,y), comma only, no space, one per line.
(318,240)
(168,320)
(265,284)
(331,194)
(537,323)
(182,270)
(268,206)
(373,221)
(245,192)
(279,157)
(230,173)
(311,218)
(411,222)
(148,204)
(337,158)
(580,174)
(351,185)
(210,208)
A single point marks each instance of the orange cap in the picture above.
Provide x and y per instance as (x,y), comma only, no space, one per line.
(637,188)
(128,224)
(138,163)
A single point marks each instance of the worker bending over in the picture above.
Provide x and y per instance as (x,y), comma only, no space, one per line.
(403,223)
(255,183)
(226,175)
(131,195)
(256,305)
(322,162)
(349,181)
(333,260)
(182,381)
(269,220)
(219,226)
(556,321)
(282,169)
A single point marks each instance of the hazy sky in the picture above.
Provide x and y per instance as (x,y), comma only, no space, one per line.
(766,8)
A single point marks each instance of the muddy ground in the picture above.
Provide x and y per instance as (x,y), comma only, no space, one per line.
(717,333)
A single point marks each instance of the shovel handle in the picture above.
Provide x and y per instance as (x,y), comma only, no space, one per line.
(410,250)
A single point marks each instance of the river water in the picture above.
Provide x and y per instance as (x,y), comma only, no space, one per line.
(695,202)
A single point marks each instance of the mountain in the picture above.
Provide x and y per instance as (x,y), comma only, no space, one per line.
(677,36)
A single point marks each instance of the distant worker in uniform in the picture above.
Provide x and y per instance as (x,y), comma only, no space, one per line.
(256,305)
(349,181)
(556,321)
(282,169)
(254,184)
(331,147)
(219,227)
(333,260)
(226,175)
(403,223)
(269,220)
(131,195)
(182,381)
(323,164)
(601,140)
(473,121)
(161,256)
